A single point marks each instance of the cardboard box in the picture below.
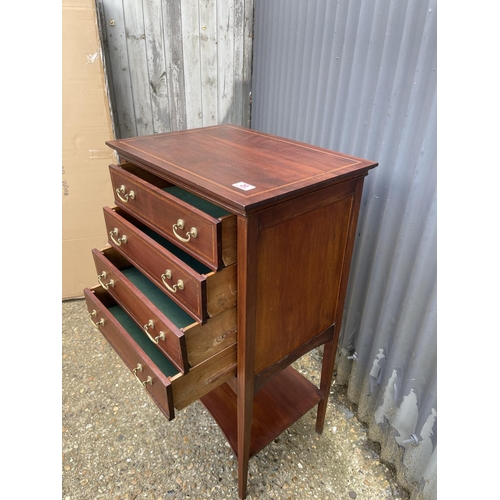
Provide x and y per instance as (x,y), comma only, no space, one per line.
(86,125)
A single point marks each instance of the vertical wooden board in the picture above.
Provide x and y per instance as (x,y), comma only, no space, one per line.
(156,66)
(119,68)
(172,20)
(244,118)
(136,48)
(225,50)
(192,65)
(238,54)
(208,59)
(178,64)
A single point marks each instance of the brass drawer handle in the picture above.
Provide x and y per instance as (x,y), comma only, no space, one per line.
(120,240)
(155,340)
(95,323)
(126,196)
(102,276)
(192,233)
(168,275)
(138,368)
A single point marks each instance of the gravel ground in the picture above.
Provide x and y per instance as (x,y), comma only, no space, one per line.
(117,445)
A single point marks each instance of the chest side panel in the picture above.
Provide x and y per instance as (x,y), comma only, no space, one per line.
(302,251)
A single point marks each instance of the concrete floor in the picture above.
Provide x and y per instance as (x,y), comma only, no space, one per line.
(117,444)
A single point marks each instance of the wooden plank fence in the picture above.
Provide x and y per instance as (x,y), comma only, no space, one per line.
(176,64)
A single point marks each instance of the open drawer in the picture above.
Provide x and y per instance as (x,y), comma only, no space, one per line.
(169,388)
(201,292)
(201,228)
(168,327)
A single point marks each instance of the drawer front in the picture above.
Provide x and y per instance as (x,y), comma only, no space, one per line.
(148,374)
(168,388)
(194,231)
(162,332)
(159,265)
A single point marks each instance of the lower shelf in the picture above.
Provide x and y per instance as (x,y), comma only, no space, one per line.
(281,402)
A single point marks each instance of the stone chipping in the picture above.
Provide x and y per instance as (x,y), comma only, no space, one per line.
(117,445)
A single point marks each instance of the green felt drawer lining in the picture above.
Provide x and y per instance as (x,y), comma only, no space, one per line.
(197,202)
(166,305)
(142,340)
(173,249)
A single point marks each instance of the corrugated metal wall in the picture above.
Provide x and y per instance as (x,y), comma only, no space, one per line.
(176,64)
(359,76)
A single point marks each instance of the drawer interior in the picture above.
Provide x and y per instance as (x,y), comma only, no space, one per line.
(193,263)
(190,198)
(175,250)
(197,202)
(167,306)
(167,368)
(202,341)
(158,298)
(174,389)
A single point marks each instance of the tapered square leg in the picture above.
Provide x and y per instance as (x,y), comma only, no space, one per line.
(326,382)
(247,231)
(244,436)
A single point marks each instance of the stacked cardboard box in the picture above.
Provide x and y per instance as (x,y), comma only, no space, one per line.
(87,124)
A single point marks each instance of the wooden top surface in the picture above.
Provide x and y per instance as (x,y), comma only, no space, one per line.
(241,169)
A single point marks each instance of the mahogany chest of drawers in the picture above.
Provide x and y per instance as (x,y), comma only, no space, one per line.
(228,259)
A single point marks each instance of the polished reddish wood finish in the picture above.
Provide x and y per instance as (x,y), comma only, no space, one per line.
(186,345)
(287,397)
(296,209)
(209,161)
(264,376)
(301,253)
(171,392)
(140,307)
(131,354)
(161,211)
(247,313)
(203,295)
